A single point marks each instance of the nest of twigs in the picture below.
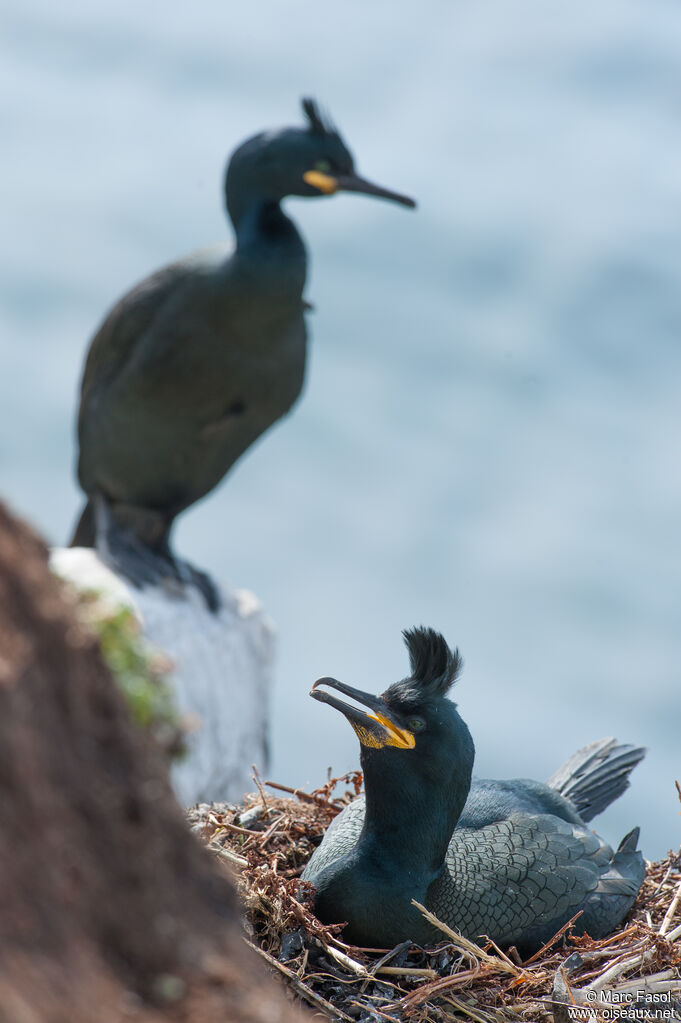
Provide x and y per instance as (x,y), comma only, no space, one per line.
(632,975)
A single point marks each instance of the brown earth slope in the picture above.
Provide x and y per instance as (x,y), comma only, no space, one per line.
(109,909)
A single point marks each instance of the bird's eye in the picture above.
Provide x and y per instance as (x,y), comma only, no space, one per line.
(416,724)
(323,166)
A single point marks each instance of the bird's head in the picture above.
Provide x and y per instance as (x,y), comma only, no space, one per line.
(312,161)
(412,728)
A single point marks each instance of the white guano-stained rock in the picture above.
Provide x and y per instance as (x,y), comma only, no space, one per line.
(221,678)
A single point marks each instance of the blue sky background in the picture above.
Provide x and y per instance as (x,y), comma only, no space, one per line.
(489,440)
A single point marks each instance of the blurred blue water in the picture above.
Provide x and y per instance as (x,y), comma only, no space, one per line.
(489,438)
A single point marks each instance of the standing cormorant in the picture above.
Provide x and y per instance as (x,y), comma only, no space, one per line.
(198,360)
(512,860)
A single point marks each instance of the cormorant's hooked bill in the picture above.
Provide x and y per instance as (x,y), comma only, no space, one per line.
(329,183)
(375,730)
(337,173)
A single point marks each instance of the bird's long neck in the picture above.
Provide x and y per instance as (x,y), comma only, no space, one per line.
(259,219)
(268,244)
(409,825)
(400,852)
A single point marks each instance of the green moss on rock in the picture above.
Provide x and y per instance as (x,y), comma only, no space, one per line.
(141,672)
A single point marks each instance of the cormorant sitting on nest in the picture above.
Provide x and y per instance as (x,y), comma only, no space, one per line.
(198,360)
(513,860)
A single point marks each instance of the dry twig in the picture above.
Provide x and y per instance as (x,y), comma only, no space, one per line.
(458,979)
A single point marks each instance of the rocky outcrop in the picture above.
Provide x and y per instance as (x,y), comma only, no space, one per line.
(109,909)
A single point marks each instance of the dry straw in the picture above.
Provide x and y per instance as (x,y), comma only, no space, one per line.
(632,975)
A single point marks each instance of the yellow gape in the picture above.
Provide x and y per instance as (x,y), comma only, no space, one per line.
(324,182)
(398,737)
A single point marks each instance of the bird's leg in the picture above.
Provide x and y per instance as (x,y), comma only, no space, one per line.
(136,542)
(121,546)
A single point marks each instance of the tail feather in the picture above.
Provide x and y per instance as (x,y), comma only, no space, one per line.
(630,841)
(84,533)
(595,776)
(627,869)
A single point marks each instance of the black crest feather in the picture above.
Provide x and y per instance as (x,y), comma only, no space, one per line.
(434,667)
(320,123)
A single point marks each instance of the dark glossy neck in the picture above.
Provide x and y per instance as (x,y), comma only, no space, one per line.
(258,219)
(269,249)
(409,823)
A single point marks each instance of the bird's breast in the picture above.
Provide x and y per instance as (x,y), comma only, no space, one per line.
(194,367)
